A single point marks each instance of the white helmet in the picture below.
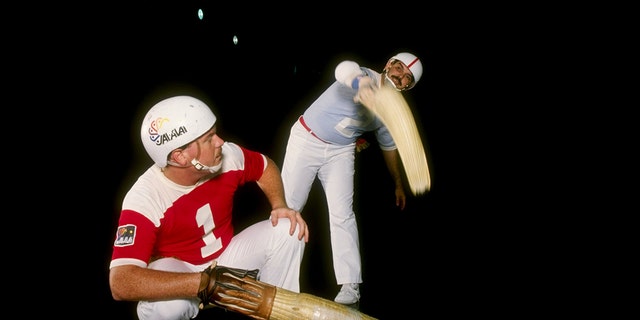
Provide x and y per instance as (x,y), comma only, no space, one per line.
(413,63)
(173,123)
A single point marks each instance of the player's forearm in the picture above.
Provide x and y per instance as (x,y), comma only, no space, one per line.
(132,283)
(393,164)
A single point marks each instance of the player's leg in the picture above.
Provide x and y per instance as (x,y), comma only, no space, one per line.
(337,181)
(270,249)
(300,165)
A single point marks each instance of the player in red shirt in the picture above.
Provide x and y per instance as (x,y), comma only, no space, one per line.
(177,217)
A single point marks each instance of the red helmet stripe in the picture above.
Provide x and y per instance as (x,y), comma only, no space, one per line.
(412,63)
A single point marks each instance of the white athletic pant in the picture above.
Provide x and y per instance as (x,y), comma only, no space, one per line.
(307,157)
(261,246)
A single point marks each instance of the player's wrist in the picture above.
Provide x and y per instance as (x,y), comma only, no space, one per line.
(204,290)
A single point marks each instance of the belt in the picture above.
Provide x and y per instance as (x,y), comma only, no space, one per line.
(309,129)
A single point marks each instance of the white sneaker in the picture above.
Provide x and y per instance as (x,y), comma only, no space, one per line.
(349,294)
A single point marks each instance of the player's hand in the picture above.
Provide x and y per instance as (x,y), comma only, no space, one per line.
(366,92)
(236,290)
(296,221)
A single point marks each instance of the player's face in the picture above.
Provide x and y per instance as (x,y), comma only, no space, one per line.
(399,75)
(210,148)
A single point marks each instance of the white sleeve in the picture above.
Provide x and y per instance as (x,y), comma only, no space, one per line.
(346,71)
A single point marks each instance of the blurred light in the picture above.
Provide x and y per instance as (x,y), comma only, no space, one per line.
(200,14)
(235,39)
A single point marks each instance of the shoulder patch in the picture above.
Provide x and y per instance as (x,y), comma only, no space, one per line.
(125,235)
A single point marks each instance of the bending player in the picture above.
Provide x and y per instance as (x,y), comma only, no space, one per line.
(322,143)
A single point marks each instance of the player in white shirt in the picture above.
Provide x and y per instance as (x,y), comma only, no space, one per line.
(322,144)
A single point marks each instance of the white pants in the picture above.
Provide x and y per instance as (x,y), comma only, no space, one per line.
(261,246)
(307,157)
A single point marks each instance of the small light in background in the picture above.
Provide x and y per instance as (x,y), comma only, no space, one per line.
(200,14)
(235,40)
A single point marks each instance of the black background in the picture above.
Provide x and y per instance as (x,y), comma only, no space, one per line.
(95,71)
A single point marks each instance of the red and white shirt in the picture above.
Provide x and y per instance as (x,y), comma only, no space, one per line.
(162,219)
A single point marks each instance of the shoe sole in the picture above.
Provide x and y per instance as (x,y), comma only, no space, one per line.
(355,305)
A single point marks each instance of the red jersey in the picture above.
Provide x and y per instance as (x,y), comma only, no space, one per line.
(162,219)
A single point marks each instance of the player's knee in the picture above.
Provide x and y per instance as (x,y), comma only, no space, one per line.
(283,230)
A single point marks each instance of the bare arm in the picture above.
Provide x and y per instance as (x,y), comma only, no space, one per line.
(133,283)
(271,185)
(392,159)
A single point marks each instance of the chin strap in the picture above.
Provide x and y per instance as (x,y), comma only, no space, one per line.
(201,166)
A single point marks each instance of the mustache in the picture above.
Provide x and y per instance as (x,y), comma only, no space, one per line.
(389,80)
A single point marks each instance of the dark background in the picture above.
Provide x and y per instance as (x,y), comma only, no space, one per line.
(99,70)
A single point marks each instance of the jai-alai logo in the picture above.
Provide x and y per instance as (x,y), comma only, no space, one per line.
(161,138)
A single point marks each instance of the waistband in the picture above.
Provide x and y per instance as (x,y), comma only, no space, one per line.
(301,119)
